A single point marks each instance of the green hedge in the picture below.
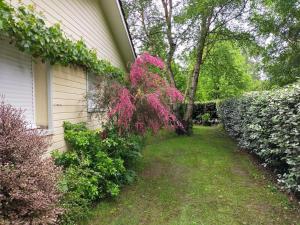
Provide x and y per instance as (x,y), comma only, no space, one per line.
(268,124)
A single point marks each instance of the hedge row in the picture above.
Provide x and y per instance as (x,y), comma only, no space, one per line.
(268,124)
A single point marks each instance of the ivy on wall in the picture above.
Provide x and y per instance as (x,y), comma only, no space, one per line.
(28,31)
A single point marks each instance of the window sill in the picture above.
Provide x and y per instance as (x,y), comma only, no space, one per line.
(46,132)
(96,111)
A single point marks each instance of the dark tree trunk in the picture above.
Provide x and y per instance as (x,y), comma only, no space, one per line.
(168,10)
(191,92)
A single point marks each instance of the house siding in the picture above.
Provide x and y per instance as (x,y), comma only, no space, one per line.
(81,19)
(68,85)
(67,100)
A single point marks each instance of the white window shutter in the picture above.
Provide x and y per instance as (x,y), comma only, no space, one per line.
(16,79)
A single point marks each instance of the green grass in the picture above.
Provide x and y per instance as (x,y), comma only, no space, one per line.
(201,180)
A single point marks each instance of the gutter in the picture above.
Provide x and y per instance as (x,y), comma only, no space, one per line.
(122,13)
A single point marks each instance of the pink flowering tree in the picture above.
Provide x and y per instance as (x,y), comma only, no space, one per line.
(144,103)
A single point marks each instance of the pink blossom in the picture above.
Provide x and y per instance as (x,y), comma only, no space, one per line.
(136,74)
(162,111)
(174,94)
(138,70)
(124,108)
(146,57)
(140,127)
(144,104)
(154,126)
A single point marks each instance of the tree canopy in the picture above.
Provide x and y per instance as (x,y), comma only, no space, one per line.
(226,73)
(277,24)
(219,48)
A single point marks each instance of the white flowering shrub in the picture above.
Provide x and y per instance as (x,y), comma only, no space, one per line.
(268,124)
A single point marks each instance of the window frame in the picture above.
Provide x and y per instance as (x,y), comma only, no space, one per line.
(90,109)
(49,129)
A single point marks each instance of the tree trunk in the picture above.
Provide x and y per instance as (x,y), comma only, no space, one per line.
(168,10)
(187,119)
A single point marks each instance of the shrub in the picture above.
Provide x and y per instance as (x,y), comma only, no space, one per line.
(144,102)
(267,124)
(95,166)
(205,118)
(28,190)
(201,108)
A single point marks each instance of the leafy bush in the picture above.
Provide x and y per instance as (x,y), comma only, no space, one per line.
(205,118)
(28,190)
(268,124)
(95,166)
(200,108)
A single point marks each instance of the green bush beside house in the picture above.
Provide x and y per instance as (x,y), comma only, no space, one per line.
(96,165)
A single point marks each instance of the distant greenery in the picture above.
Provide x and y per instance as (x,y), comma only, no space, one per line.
(95,166)
(267,124)
(278,21)
(225,73)
(29,33)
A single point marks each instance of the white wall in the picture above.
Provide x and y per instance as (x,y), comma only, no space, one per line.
(80,19)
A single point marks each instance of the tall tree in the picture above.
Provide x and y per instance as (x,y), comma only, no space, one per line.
(146,26)
(225,73)
(277,24)
(154,30)
(210,21)
(168,15)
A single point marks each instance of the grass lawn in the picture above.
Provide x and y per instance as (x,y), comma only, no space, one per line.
(200,180)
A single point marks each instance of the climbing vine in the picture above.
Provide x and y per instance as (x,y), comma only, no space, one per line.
(28,31)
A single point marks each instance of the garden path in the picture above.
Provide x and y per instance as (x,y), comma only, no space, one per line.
(203,180)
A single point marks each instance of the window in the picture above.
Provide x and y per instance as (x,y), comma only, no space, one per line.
(16,79)
(24,84)
(95,87)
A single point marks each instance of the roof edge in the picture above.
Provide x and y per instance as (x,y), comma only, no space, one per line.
(122,13)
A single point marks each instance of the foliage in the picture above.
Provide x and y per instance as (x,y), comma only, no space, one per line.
(95,166)
(225,73)
(201,108)
(31,35)
(145,103)
(205,117)
(277,23)
(154,29)
(127,147)
(28,190)
(267,124)
(146,26)
(209,23)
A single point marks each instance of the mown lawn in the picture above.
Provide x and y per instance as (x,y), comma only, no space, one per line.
(200,180)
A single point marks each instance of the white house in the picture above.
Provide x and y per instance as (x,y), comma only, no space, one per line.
(53,94)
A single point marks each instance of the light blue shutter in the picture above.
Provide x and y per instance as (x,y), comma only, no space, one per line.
(16,79)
